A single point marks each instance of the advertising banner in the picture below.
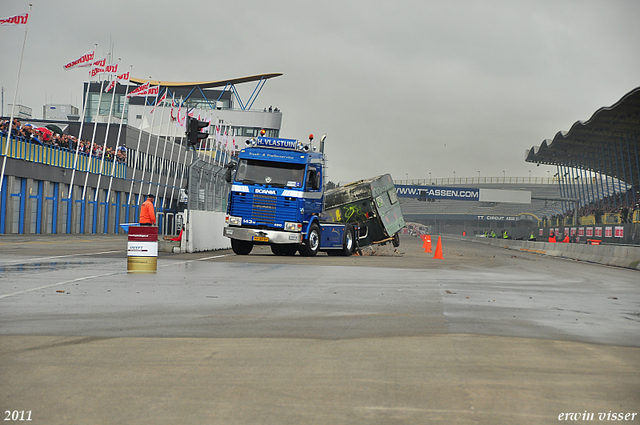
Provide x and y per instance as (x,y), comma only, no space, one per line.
(438,192)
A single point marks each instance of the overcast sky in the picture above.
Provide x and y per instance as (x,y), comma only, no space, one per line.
(405,87)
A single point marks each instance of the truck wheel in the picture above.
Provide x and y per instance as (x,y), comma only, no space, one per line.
(396,240)
(349,242)
(312,243)
(241,247)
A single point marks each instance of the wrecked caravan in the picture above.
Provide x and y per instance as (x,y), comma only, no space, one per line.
(372,204)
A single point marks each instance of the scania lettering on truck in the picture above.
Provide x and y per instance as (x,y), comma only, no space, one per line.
(277,199)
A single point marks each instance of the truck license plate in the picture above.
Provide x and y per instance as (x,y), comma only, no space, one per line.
(260,239)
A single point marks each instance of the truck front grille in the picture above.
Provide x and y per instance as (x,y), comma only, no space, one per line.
(264,208)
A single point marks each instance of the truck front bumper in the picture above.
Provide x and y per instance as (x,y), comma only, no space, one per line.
(258,235)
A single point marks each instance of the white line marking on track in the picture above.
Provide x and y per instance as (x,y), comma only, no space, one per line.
(79,279)
(36,260)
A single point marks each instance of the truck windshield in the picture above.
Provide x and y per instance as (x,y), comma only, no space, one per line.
(277,174)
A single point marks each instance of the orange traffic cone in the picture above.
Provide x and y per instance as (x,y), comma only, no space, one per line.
(427,243)
(438,255)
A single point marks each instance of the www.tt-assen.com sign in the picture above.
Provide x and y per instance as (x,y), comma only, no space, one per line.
(438,192)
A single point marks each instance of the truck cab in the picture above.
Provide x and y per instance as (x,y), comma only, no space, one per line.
(277,197)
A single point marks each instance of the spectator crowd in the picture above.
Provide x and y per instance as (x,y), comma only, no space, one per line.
(615,204)
(46,137)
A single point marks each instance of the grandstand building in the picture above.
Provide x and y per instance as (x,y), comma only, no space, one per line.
(597,181)
(49,188)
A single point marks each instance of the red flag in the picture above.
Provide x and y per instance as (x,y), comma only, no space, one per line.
(15,20)
(119,79)
(111,85)
(98,62)
(140,91)
(124,77)
(81,61)
(106,69)
(164,96)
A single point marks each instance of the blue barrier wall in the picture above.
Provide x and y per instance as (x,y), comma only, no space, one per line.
(36,195)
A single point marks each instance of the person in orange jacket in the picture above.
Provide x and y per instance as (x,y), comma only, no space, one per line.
(147,213)
(566,239)
(552,238)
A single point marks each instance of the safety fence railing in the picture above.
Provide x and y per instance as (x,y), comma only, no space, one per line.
(207,189)
(57,156)
(590,220)
(477,180)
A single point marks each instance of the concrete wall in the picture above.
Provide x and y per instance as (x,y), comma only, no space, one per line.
(611,255)
(204,232)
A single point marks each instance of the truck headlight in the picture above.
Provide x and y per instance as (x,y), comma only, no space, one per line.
(233,221)
(292,227)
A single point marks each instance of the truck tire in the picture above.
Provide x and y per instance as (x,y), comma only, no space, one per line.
(312,243)
(241,247)
(349,241)
(396,240)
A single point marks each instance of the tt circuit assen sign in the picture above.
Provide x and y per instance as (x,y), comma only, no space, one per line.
(438,192)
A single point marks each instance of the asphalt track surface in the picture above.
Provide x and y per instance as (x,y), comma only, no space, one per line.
(483,336)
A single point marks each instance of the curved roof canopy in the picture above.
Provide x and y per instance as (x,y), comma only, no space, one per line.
(607,143)
(208,84)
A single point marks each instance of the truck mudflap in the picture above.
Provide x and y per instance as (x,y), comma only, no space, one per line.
(261,236)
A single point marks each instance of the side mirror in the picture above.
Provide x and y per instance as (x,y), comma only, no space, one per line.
(228,173)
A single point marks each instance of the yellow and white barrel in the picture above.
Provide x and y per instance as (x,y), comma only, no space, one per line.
(142,249)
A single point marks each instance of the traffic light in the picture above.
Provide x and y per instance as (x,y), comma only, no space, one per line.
(194,136)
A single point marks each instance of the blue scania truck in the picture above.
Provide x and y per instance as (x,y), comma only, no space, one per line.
(278,198)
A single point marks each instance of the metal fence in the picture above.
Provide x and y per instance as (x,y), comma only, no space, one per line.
(207,190)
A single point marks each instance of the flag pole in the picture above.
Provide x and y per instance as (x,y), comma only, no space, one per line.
(155,153)
(13,109)
(148,144)
(164,149)
(135,163)
(184,166)
(113,166)
(173,145)
(84,112)
(175,174)
(106,136)
(209,142)
(93,138)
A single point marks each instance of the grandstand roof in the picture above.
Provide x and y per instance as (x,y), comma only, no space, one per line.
(607,143)
(207,84)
